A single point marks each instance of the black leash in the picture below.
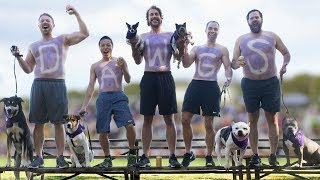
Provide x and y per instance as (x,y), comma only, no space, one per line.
(15,77)
(82,115)
(281,89)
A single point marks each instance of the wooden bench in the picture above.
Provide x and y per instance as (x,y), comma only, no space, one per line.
(134,173)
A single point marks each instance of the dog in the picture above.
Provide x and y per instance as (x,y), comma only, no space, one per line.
(18,134)
(296,143)
(233,138)
(132,35)
(180,32)
(81,155)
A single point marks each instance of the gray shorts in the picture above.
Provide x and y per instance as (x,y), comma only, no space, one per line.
(48,101)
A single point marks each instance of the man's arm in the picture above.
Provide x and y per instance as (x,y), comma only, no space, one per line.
(122,64)
(285,52)
(90,89)
(26,65)
(188,59)
(76,37)
(235,64)
(227,65)
(136,53)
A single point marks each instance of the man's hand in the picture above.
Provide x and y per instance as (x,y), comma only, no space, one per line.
(121,63)
(71,10)
(15,51)
(241,61)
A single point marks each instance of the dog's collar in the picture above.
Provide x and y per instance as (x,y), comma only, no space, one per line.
(296,139)
(241,144)
(77,132)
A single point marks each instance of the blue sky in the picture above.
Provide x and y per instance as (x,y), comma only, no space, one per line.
(296,22)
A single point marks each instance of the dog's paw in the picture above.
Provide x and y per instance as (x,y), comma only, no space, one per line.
(78,166)
(8,164)
(227,166)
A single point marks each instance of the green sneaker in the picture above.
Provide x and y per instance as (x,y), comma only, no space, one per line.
(106,163)
(131,160)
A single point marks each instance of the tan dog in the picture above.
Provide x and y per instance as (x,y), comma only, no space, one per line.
(81,155)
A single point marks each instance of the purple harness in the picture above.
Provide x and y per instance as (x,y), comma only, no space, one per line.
(296,139)
(74,134)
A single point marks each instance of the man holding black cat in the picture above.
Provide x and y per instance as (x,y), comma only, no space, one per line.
(157,86)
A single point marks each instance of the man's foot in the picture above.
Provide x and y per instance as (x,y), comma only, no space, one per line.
(143,162)
(255,160)
(209,161)
(173,161)
(107,162)
(187,158)
(131,160)
(273,160)
(36,163)
(61,162)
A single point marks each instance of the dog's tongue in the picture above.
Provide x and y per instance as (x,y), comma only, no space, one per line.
(10,116)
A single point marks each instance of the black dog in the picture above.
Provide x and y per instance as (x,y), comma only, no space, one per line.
(132,34)
(180,32)
(18,134)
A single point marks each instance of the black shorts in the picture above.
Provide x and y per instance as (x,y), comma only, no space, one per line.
(202,94)
(158,88)
(261,93)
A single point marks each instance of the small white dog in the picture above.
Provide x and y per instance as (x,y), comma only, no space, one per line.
(81,155)
(233,138)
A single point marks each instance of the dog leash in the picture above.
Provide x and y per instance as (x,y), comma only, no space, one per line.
(15,77)
(224,91)
(82,115)
(281,89)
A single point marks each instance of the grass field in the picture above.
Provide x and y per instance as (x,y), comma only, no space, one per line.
(121,162)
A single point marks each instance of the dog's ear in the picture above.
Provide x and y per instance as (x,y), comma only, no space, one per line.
(185,24)
(20,99)
(65,116)
(135,25)
(4,99)
(77,117)
(177,26)
(248,123)
(128,25)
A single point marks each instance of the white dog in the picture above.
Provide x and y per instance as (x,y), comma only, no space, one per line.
(81,156)
(233,138)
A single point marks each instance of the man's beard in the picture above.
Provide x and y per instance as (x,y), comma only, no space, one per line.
(156,25)
(255,29)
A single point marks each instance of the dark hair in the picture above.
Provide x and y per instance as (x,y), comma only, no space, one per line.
(253,10)
(212,22)
(46,14)
(156,8)
(105,37)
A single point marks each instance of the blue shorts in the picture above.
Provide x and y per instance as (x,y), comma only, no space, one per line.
(204,95)
(112,103)
(263,94)
(48,101)
(158,88)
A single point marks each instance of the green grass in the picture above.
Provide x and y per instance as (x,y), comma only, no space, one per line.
(121,162)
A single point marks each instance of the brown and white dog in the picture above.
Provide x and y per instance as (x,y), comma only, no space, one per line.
(18,134)
(233,138)
(81,155)
(297,144)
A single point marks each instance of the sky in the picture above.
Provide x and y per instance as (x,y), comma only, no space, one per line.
(295,21)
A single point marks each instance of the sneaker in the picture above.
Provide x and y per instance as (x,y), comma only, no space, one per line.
(273,160)
(209,161)
(143,162)
(36,163)
(131,160)
(173,162)
(255,160)
(187,158)
(107,162)
(61,162)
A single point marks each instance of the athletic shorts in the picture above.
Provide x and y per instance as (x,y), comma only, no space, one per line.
(202,94)
(158,88)
(112,103)
(48,101)
(263,94)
